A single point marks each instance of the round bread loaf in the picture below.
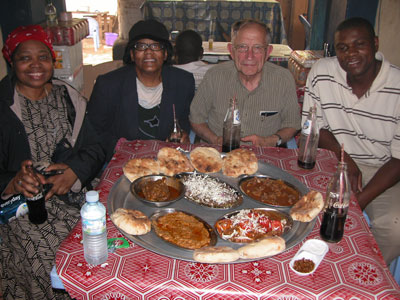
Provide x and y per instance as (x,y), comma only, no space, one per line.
(308,207)
(206,159)
(221,254)
(173,161)
(138,167)
(239,161)
(131,221)
(266,247)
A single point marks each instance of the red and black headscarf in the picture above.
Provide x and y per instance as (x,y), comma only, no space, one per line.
(22,34)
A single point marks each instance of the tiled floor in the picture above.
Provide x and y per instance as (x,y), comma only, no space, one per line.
(92,57)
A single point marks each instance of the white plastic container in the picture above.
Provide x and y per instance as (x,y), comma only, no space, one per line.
(94,229)
(314,250)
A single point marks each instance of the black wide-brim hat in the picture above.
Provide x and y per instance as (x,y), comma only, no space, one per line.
(150,29)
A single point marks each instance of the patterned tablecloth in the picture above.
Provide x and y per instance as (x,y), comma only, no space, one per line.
(213,19)
(352,269)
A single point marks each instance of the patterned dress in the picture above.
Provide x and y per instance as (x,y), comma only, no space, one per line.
(28,251)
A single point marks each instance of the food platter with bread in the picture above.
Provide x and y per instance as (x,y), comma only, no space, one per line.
(121,197)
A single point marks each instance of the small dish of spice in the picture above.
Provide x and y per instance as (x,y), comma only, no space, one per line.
(309,256)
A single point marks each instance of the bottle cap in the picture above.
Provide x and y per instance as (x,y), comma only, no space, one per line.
(92,196)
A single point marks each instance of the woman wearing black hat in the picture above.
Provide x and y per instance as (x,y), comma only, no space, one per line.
(136,101)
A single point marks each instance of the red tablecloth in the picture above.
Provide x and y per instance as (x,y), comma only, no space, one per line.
(352,269)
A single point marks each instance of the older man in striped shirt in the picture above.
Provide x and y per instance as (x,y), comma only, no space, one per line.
(265,92)
(357,95)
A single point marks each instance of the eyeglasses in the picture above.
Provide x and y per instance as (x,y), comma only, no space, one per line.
(144,47)
(257,49)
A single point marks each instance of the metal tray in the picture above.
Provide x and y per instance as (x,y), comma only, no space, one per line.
(120,196)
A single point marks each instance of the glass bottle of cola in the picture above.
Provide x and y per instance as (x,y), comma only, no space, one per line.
(176,134)
(37,212)
(336,205)
(309,140)
(232,127)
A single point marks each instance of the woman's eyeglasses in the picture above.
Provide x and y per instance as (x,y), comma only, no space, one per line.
(144,47)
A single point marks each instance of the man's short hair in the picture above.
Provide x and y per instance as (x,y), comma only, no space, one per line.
(357,22)
(243,23)
(188,44)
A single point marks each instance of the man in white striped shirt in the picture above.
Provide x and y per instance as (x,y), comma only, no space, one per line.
(357,95)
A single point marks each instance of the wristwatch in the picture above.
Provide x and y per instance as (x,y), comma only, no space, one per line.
(279,141)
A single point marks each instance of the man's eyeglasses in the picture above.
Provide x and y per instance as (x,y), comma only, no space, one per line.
(257,49)
(144,47)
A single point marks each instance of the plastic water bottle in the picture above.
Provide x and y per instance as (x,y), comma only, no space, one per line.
(94,229)
(51,14)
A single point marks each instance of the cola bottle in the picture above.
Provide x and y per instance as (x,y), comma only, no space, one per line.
(308,143)
(37,212)
(176,134)
(232,127)
(336,205)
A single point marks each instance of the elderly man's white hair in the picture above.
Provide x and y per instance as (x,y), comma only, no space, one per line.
(243,23)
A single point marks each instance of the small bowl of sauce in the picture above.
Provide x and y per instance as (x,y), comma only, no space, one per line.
(158,190)
(309,256)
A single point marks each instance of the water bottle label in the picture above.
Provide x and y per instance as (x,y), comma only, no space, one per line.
(94,227)
(236,117)
(306,130)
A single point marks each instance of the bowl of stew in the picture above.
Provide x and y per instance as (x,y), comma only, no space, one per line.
(158,190)
(269,191)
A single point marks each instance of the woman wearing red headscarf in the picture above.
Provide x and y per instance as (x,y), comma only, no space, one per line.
(42,123)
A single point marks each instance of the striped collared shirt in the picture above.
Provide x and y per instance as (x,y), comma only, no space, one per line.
(368,127)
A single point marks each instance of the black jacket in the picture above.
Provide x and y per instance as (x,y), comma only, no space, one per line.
(113,105)
(86,157)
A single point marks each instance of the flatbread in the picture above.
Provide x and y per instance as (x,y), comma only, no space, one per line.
(131,221)
(266,247)
(139,167)
(238,162)
(206,159)
(173,161)
(308,207)
(219,254)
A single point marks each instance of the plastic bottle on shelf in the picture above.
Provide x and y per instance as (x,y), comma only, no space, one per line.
(94,229)
(51,14)
(309,140)
(232,127)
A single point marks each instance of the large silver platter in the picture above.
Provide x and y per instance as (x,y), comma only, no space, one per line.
(120,196)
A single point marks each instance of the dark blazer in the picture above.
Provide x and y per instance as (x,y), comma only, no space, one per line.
(113,105)
(86,157)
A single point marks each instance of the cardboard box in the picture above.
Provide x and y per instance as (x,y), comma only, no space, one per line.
(68,59)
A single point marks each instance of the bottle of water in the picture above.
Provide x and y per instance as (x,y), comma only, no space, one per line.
(94,230)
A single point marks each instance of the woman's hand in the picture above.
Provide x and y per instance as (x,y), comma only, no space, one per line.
(62,183)
(25,181)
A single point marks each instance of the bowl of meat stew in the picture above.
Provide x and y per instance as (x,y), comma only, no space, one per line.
(269,191)
(157,190)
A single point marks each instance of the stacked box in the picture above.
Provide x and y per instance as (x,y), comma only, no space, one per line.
(67,33)
(69,64)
